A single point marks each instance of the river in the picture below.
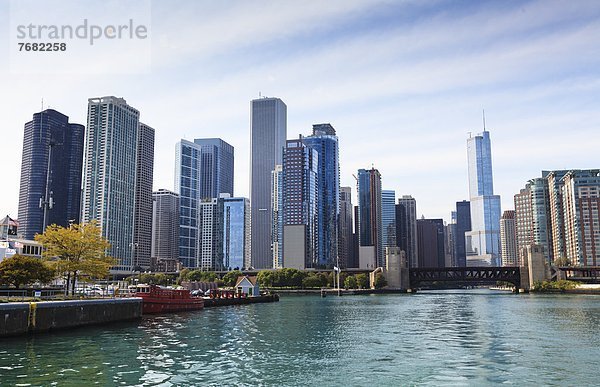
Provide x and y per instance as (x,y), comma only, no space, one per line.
(471,337)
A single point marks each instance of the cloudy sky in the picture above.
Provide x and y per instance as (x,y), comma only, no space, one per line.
(403,83)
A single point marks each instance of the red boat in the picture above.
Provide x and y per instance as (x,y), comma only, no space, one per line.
(163,300)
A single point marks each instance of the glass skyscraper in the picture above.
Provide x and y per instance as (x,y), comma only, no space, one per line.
(268,131)
(234,216)
(325,143)
(406,229)
(484,237)
(388,218)
(300,197)
(277,221)
(50,135)
(369,212)
(203,171)
(110,175)
(463,224)
(216,167)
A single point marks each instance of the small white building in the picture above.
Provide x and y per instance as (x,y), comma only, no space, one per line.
(247,285)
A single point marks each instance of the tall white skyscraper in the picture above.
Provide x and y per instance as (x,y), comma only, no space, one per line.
(388,218)
(118,156)
(484,237)
(268,130)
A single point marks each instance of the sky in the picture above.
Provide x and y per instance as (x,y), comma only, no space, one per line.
(402,82)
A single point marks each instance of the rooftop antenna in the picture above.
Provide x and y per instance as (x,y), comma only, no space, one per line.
(259,94)
(484,120)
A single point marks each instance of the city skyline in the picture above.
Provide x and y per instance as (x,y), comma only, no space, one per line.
(400,73)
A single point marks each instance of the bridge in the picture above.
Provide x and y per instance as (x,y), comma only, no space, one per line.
(465,275)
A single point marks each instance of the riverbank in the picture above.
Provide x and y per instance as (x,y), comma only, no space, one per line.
(35,317)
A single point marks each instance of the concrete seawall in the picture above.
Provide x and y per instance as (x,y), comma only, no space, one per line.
(30,317)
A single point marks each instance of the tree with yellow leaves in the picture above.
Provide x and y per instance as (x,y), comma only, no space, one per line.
(75,251)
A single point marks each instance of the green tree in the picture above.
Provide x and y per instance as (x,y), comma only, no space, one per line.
(380,281)
(265,278)
(24,270)
(230,278)
(362,281)
(350,282)
(76,251)
(183,276)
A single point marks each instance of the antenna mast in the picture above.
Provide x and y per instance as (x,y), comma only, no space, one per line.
(484,120)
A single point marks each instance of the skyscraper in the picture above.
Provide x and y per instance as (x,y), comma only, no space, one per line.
(508,239)
(53,152)
(277,221)
(581,216)
(110,175)
(555,203)
(234,218)
(388,218)
(369,213)
(345,234)
(165,229)
(300,199)
(431,241)
(203,171)
(216,168)
(210,246)
(484,237)
(406,228)
(268,131)
(187,183)
(463,224)
(325,143)
(142,227)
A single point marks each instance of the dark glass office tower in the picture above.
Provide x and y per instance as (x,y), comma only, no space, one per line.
(268,128)
(406,228)
(53,152)
(463,224)
(369,212)
(325,142)
(216,167)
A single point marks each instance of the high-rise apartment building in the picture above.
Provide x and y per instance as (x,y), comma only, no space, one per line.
(300,204)
(53,153)
(268,131)
(277,221)
(523,220)
(142,227)
(210,246)
(581,216)
(484,237)
(165,230)
(216,168)
(463,225)
(325,143)
(555,202)
(203,171)
(187,183)
(345,233)
(110,175)
(369,213)
(234,219)
(406,228)
(508,239)
(388,218)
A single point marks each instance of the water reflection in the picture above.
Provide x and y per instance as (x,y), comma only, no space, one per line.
(458,338)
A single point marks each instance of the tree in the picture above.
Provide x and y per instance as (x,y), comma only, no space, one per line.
(76,251)
(265,278)
(362,281)
(350,282)
(230,278)
(380,281)
(24,270)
